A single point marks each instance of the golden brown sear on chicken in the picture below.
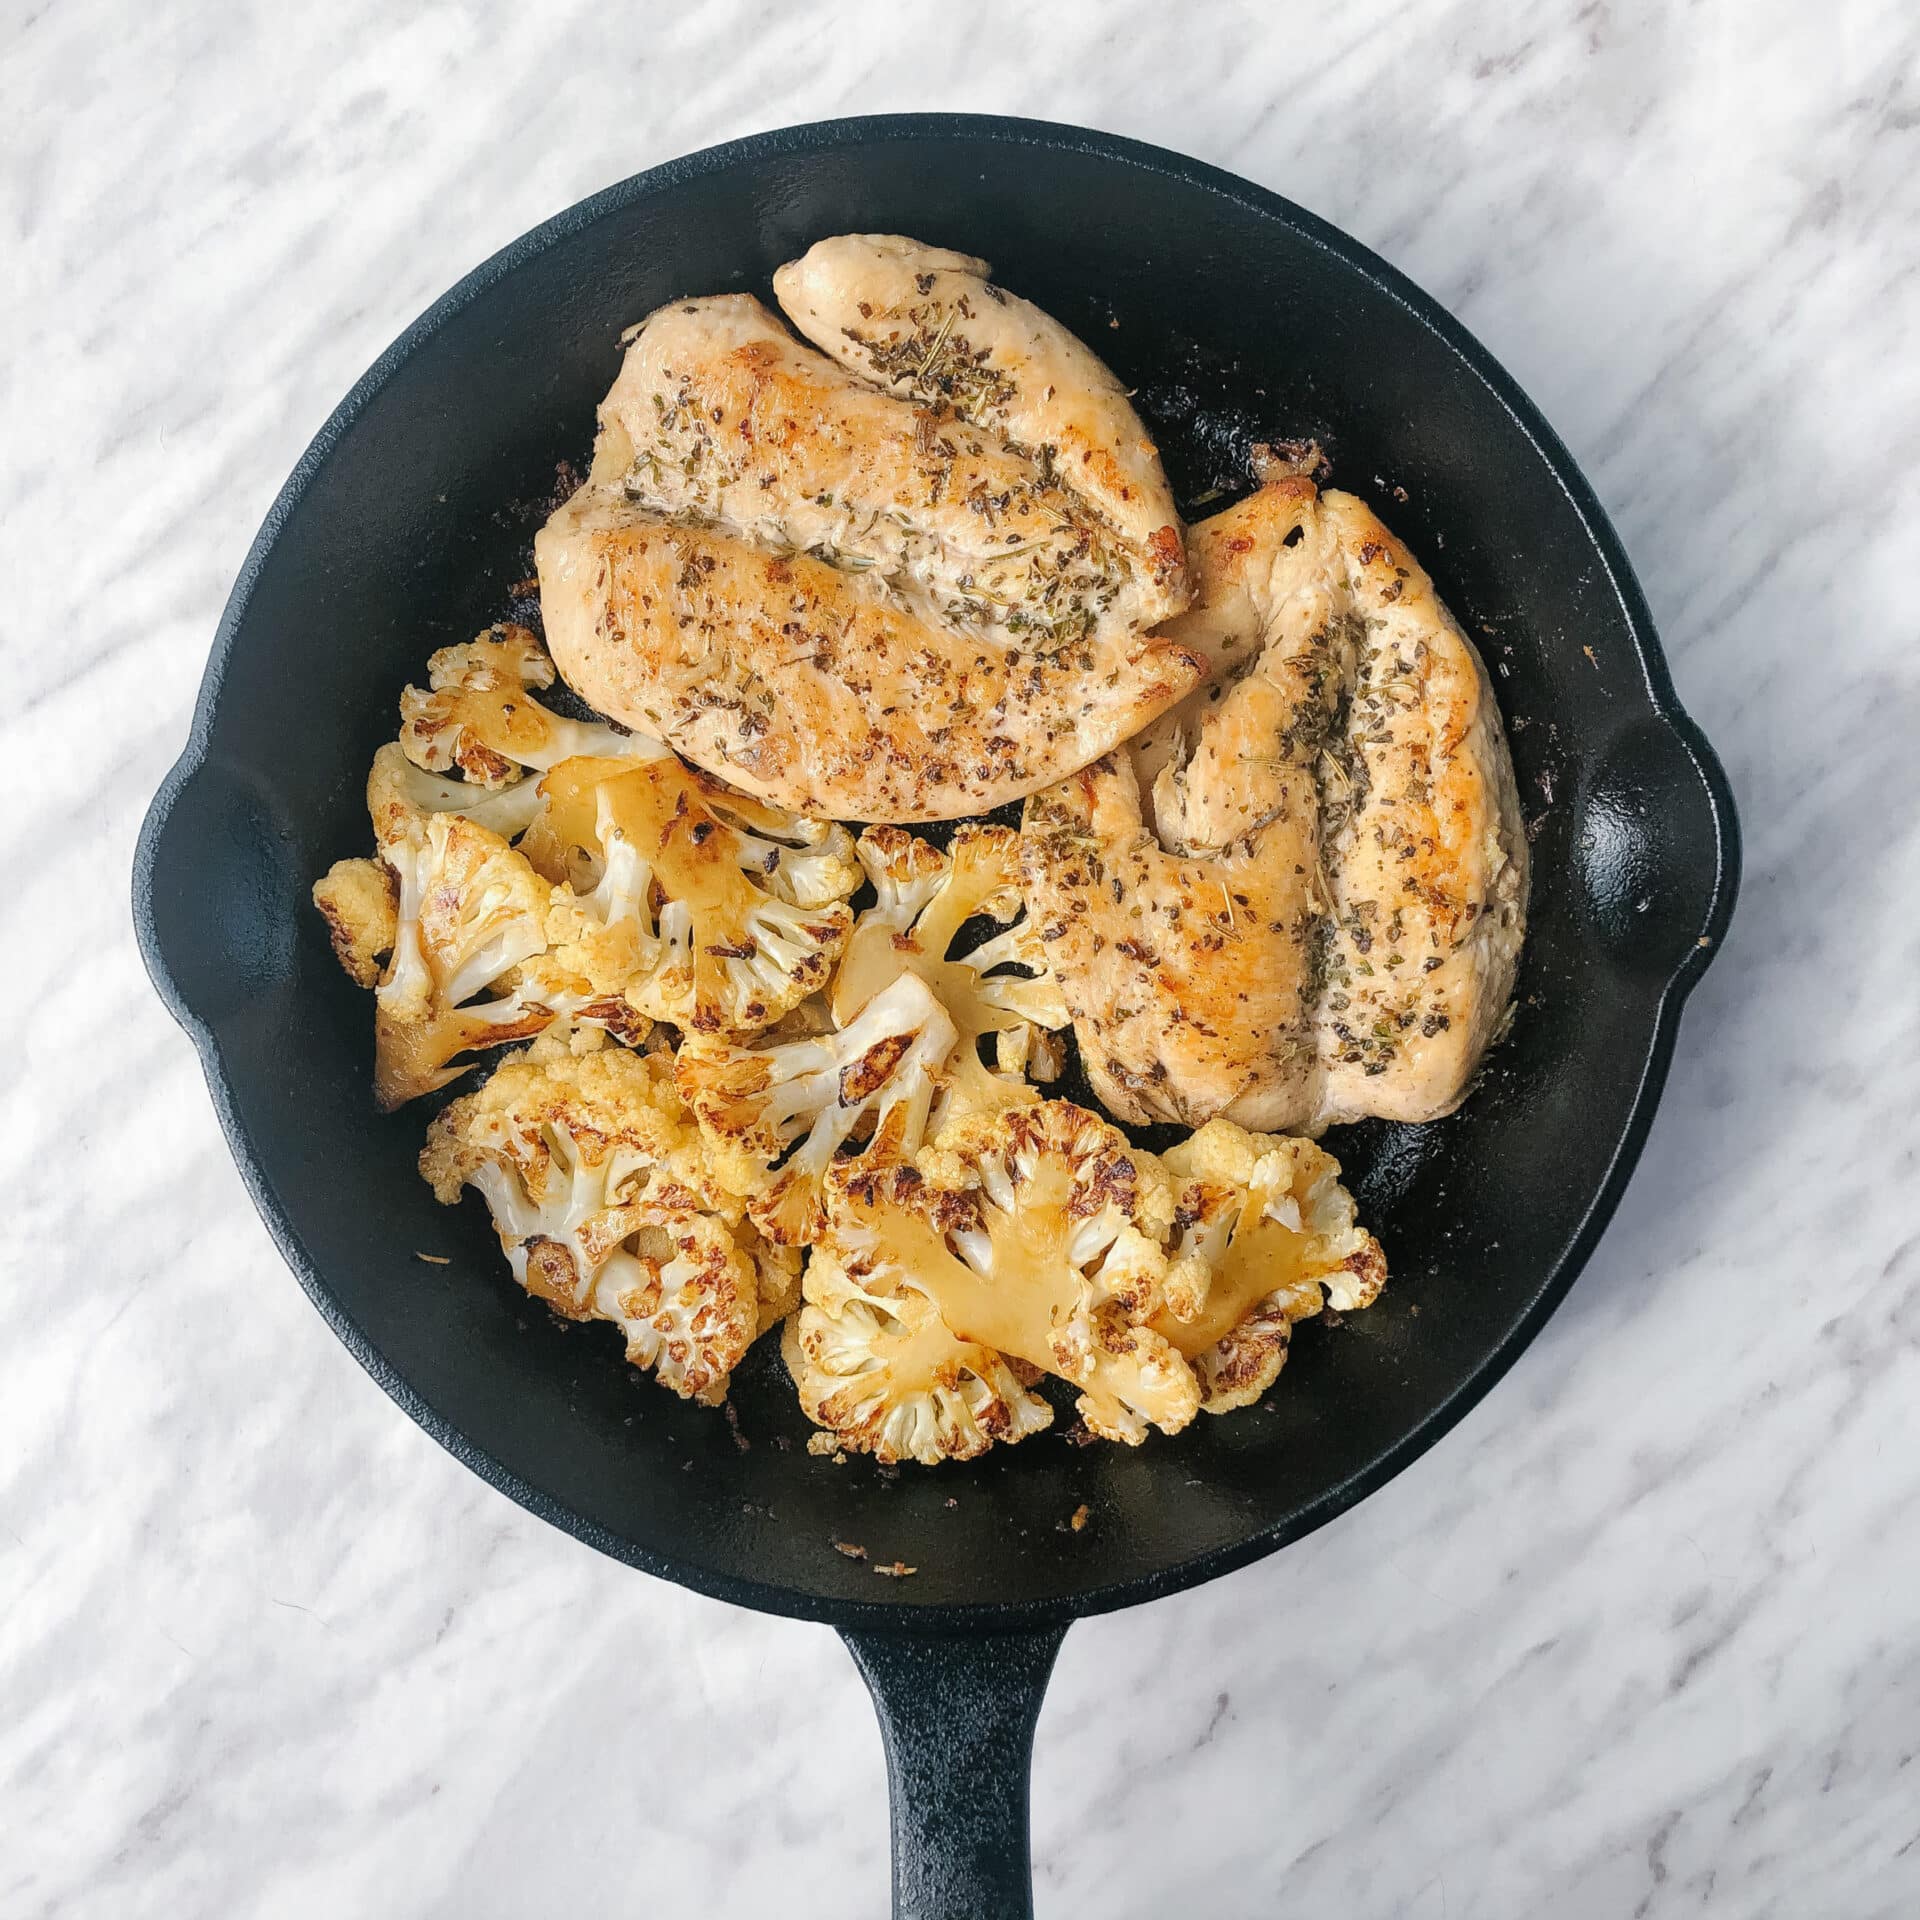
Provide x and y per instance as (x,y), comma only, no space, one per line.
(1299,897)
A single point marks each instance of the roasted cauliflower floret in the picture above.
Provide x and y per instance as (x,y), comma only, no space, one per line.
(925,897)
(535,1001)
(470,910)
(477,713)
(358,898)
(419,1056)
(1263,1228)
(753,1102)
(604,1206)
(577,1009)
(636,1130)
(1038,1232)
(711,925)
(885,1376)
(446,910)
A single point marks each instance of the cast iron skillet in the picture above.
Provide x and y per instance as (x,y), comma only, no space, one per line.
(406,526)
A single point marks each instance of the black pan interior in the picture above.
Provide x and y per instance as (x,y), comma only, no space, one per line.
(1236,318)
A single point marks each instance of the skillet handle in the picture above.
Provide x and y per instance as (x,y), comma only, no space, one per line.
(957,1718)
(218,893)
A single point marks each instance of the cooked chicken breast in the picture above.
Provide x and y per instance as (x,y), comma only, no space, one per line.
(877,608)
(809,685)
(1299,897)
(929,325)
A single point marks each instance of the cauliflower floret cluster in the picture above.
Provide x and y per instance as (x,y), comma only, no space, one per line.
(738,1106)
(637,891)
(1039,1235)
(477,712)
(705,909)
(899,1056)
(1263,1229)
(449,909)
(880,1073)
(606,1210)
(883,1373)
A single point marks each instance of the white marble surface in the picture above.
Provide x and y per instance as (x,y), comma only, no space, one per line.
(1638,1639)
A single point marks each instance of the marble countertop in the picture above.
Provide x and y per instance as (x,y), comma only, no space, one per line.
(1637,1638)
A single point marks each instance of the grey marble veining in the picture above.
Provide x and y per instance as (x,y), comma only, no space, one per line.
(1637,1639)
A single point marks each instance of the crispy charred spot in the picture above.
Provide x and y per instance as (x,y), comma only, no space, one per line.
(1244,1357)
(620,1019)
(884,1186)
(1368,1265)
(861,1079)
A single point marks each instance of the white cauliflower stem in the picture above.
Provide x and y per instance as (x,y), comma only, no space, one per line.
(925,898)
(753,1102)
(400,795)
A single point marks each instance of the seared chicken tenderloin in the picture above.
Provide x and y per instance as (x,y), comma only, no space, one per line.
(1299,897)
(929,325)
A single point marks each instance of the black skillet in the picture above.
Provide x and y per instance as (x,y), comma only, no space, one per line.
(406,526)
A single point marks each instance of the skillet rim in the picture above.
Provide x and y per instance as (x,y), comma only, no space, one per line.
(898,1612)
